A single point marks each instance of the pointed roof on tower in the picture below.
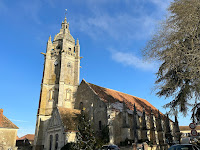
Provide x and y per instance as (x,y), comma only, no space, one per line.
(64,32)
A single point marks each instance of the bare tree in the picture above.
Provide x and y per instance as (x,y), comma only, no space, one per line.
(177,46)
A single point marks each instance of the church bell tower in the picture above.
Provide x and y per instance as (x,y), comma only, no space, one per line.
(60,78)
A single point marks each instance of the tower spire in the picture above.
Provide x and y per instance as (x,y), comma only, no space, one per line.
(65,27)
(135,111)
(168,130)
(152,128)
(65,12)
(159,129)
(77,42)
(49,46)
(135,125)
(177,130)
(50,38)
(144,126)
(65,21)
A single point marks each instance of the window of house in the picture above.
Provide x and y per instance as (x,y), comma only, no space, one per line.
(66,26)
(100,125)
(56,142)
(50,142)
(74,50)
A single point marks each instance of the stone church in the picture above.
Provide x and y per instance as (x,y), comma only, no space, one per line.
(62,98)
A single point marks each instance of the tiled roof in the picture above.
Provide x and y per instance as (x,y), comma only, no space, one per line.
(6,123)
(69,118)
(185,128)
(30,137)
(112,96)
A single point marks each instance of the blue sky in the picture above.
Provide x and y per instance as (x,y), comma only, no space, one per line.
(111,35)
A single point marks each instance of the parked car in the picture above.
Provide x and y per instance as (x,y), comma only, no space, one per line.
(184,147)
(110,147)
(105,147)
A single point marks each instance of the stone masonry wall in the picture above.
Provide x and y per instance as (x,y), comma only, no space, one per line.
(8,138)
(95,108)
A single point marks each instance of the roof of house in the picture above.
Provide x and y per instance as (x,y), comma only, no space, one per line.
(6,123)
(185,128)
(112,96)
(30,137)
(69,117)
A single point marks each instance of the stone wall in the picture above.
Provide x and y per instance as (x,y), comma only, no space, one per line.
(119,120)
(8,138)
(94,107)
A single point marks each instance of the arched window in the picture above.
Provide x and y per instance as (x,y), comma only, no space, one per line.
(81,106)
(51,94)
(56,142)
(68,94)
(50,142)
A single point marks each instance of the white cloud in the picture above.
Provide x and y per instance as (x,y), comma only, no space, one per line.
(162,4)
(134,22)
(122,26)
(18,120)
(27,130)
(129,59)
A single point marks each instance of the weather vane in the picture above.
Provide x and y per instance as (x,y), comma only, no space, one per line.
(65,12)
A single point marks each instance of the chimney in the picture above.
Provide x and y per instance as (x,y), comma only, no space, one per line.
(1,117)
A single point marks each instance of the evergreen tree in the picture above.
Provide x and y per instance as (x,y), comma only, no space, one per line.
(177,46)
(85,135)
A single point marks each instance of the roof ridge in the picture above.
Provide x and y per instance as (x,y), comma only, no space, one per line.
(117,91)
(124,97)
